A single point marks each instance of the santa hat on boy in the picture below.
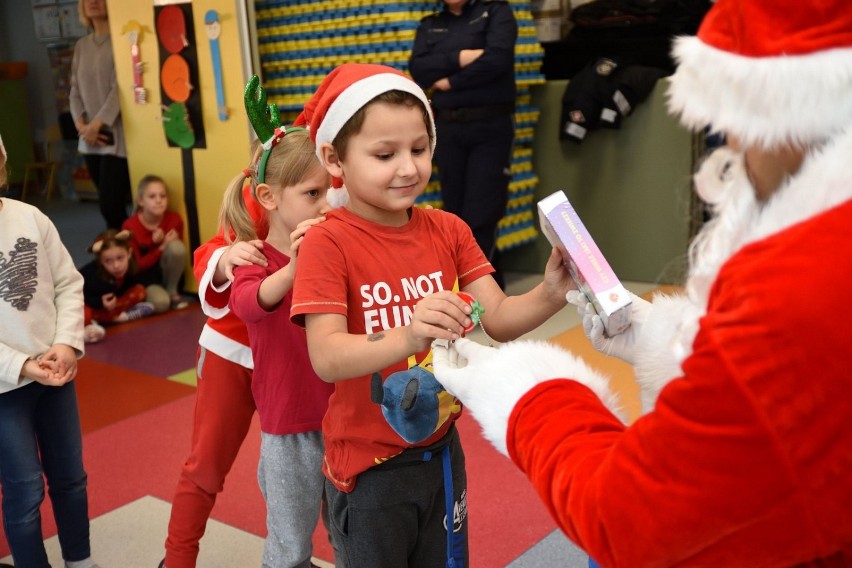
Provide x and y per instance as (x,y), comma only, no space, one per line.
(767,71)
(342,93)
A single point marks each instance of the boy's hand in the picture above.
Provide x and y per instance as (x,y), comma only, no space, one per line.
(442,315)
(109,300)
(557,279)
(157,235)
(241,254)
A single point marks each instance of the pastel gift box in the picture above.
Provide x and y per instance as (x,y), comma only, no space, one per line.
(590,270)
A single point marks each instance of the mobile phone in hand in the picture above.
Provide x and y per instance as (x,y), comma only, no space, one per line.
(106,136)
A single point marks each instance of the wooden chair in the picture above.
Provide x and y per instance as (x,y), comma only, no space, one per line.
(43,172)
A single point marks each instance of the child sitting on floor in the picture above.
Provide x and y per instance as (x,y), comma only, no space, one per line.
(111,290)
(158,239)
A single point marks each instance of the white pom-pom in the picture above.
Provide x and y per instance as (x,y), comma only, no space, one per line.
(337,197)
(717,174)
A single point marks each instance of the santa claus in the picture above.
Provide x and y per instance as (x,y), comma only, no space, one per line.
(743,456)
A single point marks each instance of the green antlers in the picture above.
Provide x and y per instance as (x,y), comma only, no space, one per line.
(266,122)
(264,117)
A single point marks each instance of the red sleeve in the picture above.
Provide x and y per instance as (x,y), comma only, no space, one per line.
(202,254)
(142,239)
(694,471)
(244,288)
(173,221)
(321,280)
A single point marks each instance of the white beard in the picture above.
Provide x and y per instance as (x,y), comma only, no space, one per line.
(823,182)
(670,330)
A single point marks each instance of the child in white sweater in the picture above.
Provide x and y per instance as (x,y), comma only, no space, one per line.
(41,317)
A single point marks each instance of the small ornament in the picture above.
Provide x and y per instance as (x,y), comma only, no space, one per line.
(133,30)
(177,126)
(174,75)
(171,28)
(213,29)
(475,314)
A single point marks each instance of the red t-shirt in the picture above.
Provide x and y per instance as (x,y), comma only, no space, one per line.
(146,250)
(374,275)
(289,396)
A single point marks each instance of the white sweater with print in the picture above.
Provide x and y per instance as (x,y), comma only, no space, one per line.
(41,292)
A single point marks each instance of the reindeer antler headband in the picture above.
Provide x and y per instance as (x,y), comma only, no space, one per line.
(266,121)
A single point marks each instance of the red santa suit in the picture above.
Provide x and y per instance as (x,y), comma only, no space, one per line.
(752,441)
(224,404)
(744,453)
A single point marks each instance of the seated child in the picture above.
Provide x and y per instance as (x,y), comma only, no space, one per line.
(111,290)
(157,239)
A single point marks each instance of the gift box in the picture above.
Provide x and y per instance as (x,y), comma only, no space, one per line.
(590,270)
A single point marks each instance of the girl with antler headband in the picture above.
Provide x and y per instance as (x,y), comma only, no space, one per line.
(277,198)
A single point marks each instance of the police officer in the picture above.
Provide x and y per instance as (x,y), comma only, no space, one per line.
(464,54)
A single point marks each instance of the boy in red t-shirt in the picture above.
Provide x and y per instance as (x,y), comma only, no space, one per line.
(375,285)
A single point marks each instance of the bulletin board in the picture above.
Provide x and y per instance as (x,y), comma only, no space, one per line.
(57,20)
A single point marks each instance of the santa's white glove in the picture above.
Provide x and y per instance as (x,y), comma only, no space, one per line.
(490,381)
(622,345)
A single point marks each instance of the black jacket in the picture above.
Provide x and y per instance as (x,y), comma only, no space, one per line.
(483,24)
(96,284)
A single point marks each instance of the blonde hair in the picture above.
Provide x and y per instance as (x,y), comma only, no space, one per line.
(289,162)
(84,19)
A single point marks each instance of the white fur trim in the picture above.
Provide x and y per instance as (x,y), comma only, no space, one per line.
(337,197)
(514,370)
(762,100)
(359,94)
(823,182)
(666,340)
(206,284)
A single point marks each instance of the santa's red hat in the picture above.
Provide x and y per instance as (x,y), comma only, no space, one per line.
(346,90)
(767,71)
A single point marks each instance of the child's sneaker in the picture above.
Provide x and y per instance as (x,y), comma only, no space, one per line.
(93,332)
(87,563)
(140,310)
(179,302)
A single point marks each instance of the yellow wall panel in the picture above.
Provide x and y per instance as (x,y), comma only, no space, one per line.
(227,142)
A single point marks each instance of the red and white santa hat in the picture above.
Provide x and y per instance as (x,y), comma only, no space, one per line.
(767,71)
(346,90)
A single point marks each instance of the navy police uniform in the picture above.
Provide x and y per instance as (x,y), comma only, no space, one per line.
(475,117)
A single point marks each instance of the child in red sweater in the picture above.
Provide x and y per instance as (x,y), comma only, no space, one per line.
(158,239)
